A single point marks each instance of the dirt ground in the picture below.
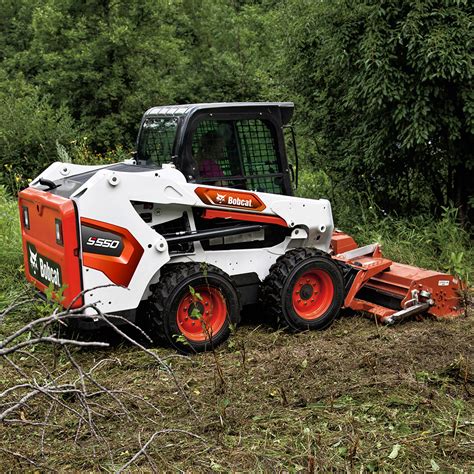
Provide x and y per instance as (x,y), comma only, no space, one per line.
(355,397)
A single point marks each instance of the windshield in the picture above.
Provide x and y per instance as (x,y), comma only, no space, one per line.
(156,140)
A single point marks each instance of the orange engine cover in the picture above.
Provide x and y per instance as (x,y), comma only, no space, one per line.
(49,260)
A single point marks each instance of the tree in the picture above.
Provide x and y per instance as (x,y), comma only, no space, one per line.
(386,87)
(110,61)
(107,61)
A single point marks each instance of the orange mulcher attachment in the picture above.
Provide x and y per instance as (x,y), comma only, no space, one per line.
(393,291)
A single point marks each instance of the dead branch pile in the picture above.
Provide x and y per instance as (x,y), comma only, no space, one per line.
(61,386)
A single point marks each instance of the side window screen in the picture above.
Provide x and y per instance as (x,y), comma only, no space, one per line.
(258,147)
(238,153)
(214,149)
(157,139)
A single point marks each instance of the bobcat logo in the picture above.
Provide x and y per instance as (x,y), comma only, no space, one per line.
(220,198)
(34,260)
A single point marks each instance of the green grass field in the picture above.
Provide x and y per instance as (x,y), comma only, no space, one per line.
(356,397)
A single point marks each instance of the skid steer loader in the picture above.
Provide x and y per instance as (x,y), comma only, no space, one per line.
(202,222)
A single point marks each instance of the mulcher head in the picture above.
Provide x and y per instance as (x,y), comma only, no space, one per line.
(393,291)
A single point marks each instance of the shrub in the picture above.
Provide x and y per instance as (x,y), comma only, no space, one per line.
(29,130)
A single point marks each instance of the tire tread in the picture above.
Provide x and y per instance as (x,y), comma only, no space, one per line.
(272,287)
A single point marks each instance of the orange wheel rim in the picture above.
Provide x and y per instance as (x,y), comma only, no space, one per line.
(201,317)
(312,294)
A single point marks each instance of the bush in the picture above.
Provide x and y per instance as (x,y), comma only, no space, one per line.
(438,244)
(29,130)
(314,185)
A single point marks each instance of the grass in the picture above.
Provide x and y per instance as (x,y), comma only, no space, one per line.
(338,399)
(355,397)
(438,244)
(422,241)
(11,260)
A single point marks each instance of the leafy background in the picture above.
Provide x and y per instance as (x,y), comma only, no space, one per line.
(384,119)
(383,90)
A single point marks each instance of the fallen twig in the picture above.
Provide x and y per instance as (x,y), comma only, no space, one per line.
(27,459)
(14,306)
(153,436)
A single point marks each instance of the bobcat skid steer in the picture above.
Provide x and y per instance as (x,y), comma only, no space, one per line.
(203,222)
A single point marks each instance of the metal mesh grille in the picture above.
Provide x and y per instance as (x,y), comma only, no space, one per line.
(157,139)
(214,149)
(259,152)
(245,151)
(259,156)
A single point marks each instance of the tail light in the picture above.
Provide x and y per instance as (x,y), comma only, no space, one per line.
(59,231)
(26,218)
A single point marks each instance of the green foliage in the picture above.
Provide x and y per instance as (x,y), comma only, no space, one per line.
(12,280)
(423,241)
(29,129)
(195,313)
(81,152)
(383,89)
(110,62)
(314,184)
(72,70)
(387,89)
(54,296)
(10,238)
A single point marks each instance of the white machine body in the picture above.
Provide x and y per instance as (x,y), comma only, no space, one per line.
(119,198)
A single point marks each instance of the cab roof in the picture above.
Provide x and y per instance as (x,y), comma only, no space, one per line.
(286,108)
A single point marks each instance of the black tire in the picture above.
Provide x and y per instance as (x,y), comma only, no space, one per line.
(170,308)
(304,290)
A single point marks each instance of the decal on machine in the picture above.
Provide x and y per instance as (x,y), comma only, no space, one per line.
(111,249)
(101,242)
(42,268)
(228,198)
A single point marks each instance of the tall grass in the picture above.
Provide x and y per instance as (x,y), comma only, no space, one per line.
(438,244)
(422,240)
(11,260)
(10,237)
